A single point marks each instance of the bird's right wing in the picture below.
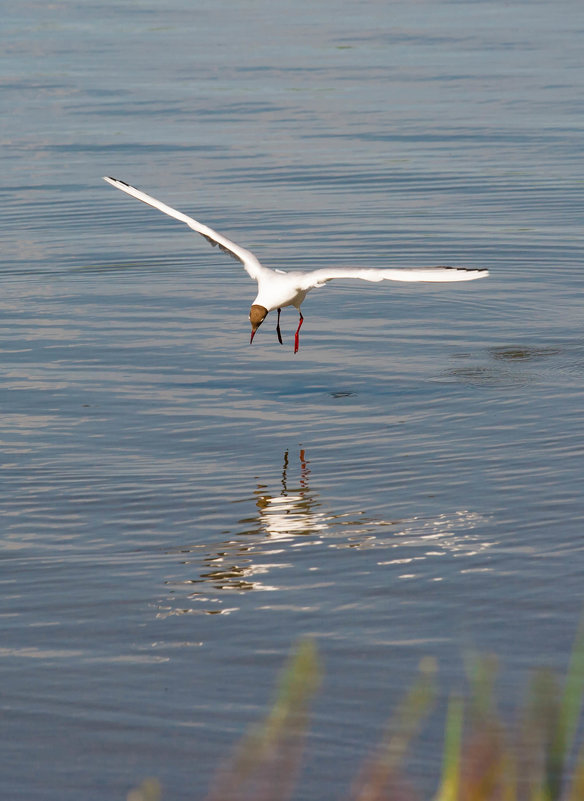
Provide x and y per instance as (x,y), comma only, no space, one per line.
(434,274)
(246,257)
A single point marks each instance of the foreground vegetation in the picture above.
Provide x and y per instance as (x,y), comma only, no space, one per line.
(534,758)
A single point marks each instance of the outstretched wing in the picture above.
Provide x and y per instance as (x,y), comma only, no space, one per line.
(320,277)
(249,261)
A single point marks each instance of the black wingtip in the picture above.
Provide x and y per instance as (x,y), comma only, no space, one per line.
(117,180)
(460,269)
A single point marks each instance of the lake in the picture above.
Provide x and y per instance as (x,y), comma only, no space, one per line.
(178,507)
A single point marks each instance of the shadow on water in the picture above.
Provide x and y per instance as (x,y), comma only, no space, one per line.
(291,517)
(523,353)
(509,366)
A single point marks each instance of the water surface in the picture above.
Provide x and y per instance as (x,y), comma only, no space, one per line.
(179,507)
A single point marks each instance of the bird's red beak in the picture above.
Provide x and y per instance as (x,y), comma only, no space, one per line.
(252,336)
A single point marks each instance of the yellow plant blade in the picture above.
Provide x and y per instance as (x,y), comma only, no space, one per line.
(449,787)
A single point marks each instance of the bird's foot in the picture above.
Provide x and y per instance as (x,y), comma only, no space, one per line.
(296,336)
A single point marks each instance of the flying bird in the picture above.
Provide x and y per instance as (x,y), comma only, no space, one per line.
(277,288)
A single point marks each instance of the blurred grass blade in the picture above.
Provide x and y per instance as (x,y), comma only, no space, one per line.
(268,757)
(380,775)
(449,788)
(577,788)
(149,790)
(411,714)
(299,682)
(565,723)
(571,704)
(481,673)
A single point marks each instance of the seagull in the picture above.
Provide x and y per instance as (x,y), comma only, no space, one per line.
(277,288)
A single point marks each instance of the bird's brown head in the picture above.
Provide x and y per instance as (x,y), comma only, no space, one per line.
(257,315)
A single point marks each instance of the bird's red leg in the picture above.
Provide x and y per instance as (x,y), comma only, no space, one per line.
(297,332)
(278,328)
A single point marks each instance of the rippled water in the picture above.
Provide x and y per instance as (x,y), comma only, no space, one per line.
(178,507)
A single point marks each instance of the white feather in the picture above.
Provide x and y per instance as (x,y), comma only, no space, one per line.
(249,261)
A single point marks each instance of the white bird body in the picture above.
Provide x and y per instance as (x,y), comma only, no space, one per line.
(277,288)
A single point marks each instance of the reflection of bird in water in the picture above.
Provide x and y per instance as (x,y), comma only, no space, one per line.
(294,517)
(292,512)
(276,288)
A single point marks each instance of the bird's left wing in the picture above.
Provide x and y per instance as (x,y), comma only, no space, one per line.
(437,274)
(246,257)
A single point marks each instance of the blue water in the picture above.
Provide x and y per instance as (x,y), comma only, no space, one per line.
(177,507)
